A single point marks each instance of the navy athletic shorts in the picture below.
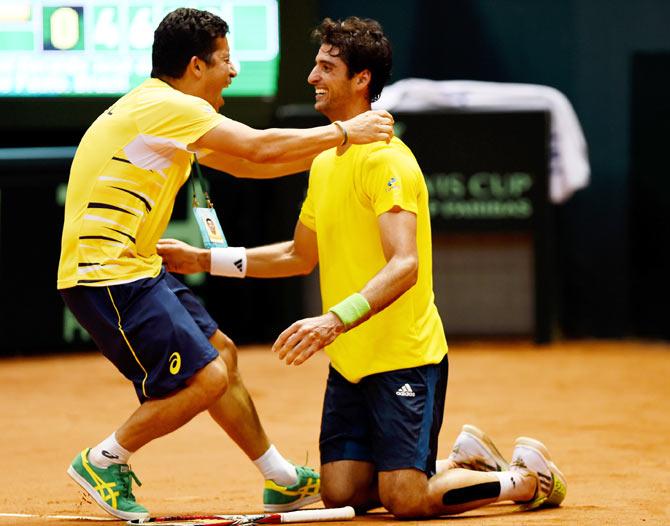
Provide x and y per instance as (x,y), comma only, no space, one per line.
(390,419)
(154,330)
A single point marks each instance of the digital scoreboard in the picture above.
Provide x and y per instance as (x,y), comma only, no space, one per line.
(103,47)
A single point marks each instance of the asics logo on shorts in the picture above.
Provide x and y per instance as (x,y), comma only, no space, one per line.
(405,390)
(175,362)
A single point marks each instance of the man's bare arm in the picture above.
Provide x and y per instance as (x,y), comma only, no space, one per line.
(398,236)
(279,145)
(289,258)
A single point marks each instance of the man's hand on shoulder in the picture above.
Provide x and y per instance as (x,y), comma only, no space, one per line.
(182,258)
(369,126)
(305,337)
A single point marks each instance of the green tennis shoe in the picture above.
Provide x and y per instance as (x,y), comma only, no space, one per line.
(111,487)
(278,498)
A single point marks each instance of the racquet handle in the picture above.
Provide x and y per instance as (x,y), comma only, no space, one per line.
(333,514)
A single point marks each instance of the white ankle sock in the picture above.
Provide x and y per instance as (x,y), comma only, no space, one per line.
(108,452)
(276,468)
(514,485)
(443,465)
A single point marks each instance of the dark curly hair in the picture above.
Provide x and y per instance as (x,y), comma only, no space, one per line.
(182,34)
(361,44)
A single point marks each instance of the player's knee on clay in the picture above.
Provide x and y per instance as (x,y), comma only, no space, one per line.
(227,350)
(336,497)
(338,493)
(403,493)
(403,505)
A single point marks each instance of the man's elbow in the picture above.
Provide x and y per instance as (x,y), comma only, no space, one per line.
(303,264)
(411,270)
(307,266)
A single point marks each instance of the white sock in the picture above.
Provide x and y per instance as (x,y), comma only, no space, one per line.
(514,485)
(442,465)
(276,468)
(108,452)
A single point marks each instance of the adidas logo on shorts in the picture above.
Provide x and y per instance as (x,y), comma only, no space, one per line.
(405,390)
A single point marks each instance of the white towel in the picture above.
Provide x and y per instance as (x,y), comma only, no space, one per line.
(569,164)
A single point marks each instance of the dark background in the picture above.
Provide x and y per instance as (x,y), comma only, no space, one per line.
(611,58)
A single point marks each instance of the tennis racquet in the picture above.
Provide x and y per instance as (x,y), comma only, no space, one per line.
(317,515)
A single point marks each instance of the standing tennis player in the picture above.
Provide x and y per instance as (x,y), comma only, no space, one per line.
(124,178)
(365,221)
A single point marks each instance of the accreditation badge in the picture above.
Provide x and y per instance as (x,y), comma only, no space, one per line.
(210,228)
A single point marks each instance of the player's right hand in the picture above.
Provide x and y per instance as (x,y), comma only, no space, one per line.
(370,126)
(305,337)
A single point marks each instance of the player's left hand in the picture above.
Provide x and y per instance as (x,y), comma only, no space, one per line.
(305,337)
(182,258)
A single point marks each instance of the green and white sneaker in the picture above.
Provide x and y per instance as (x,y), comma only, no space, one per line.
(474,450)
(531,457)
(278,498)
(110,487)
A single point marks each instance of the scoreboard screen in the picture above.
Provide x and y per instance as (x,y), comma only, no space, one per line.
(103,47)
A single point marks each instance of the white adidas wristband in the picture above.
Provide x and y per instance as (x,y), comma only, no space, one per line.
(229,261)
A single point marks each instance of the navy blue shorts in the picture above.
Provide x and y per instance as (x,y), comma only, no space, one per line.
(390,419)
(154,330)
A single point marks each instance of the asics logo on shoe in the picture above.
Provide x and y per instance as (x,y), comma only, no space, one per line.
(107,454)
(305,491)
(405,390)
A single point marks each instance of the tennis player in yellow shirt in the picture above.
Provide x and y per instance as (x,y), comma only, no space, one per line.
(366,222)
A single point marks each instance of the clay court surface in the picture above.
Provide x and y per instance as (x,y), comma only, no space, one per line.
(602,408)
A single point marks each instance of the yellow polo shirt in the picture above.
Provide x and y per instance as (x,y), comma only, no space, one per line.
(345,196)
(123,182)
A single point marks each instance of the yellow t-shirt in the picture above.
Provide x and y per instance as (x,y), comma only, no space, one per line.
(345,195)
(123,182)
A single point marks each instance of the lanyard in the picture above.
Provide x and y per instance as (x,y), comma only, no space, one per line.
(208,222)
(202,184)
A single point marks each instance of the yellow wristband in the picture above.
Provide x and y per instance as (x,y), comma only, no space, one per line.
(351,309)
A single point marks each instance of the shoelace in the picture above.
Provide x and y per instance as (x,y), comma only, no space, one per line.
(126,486)
(304,469)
